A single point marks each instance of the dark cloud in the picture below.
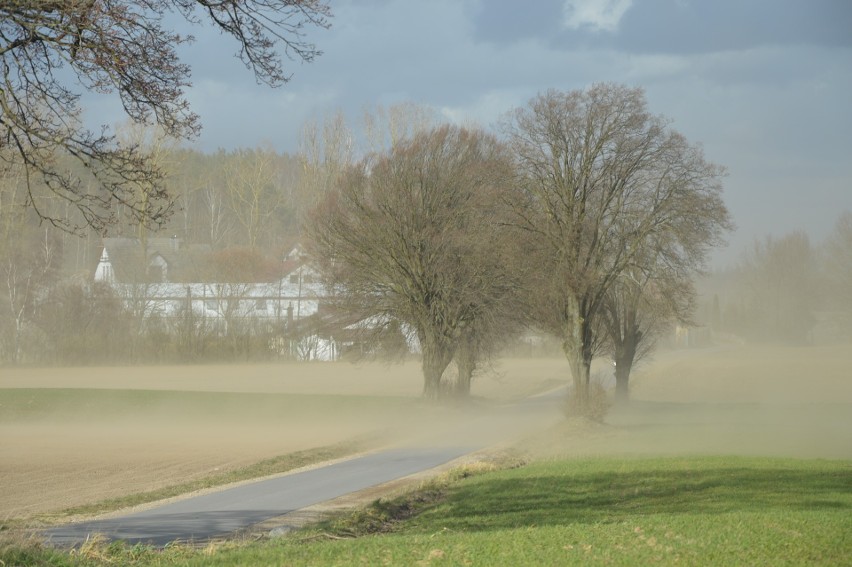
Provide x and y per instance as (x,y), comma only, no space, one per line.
(674,26)
(677,26)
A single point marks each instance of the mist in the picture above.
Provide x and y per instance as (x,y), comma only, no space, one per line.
(72,436)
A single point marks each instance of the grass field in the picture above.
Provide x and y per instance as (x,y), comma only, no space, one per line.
(691,511)
(586,511)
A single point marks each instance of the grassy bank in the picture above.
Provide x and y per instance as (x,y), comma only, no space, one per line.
(588,511)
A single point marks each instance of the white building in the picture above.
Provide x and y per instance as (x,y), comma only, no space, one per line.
(158,283)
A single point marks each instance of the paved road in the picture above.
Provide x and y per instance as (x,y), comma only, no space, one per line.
(220,513)
(223,512)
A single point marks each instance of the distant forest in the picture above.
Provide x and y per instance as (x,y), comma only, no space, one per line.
(250,204)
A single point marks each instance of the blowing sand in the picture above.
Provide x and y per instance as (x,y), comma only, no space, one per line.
(75,440)
(75,436)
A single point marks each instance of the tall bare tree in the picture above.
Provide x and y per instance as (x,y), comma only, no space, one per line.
(656,289)
(160,150)
(218,222)
(51,51)
(496,310)
(385,126)
(640,306)
(405,238)
(779,275)
(28,265)
(326,150)
(253,182)
(837,257)
(601,177)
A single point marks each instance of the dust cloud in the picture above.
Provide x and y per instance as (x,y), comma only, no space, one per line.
(75,436)
(726,400)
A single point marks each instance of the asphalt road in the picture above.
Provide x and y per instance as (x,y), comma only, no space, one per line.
(224,512)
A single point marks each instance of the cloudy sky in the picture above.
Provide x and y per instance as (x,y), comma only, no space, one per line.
(764,85)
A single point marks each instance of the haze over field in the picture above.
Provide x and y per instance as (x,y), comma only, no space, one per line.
(642,134)
(585,265)
(72,437)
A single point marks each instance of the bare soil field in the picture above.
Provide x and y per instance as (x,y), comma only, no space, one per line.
(752,374)
(737,400)
(75,436)
(72,436)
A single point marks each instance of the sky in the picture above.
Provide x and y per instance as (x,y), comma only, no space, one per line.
(765,86)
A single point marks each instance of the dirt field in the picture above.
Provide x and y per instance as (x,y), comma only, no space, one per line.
(76,436)
(732,400)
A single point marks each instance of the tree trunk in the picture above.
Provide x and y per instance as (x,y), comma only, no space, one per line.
(576,345)
(622,378)
(625,356)
(580,373)
(432,373)
(466,363)
(435,361)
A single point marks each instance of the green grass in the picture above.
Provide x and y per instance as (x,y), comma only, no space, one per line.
(694,511)
(590,511)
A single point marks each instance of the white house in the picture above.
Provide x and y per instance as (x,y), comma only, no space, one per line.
(146,282)
(156,281)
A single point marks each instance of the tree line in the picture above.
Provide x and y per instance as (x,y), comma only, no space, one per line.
(785,289)
(584,216)
(586,210)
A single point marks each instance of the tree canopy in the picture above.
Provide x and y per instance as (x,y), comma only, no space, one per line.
(604,185)
(410,236)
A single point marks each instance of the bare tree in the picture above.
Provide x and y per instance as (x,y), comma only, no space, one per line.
(215,204)
(600,178)
(385,126)
(50,51)
(779,275)
(28,265)
(29,259)
(641,305)
(496,310)
(328,147)
(252,179)
(656,289)
(159,150)
(837,258)
(403,238)
(326,150)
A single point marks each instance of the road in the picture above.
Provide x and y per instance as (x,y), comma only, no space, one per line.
(224,512)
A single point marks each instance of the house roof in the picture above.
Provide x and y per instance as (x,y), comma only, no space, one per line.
(132,264)
(295,259)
